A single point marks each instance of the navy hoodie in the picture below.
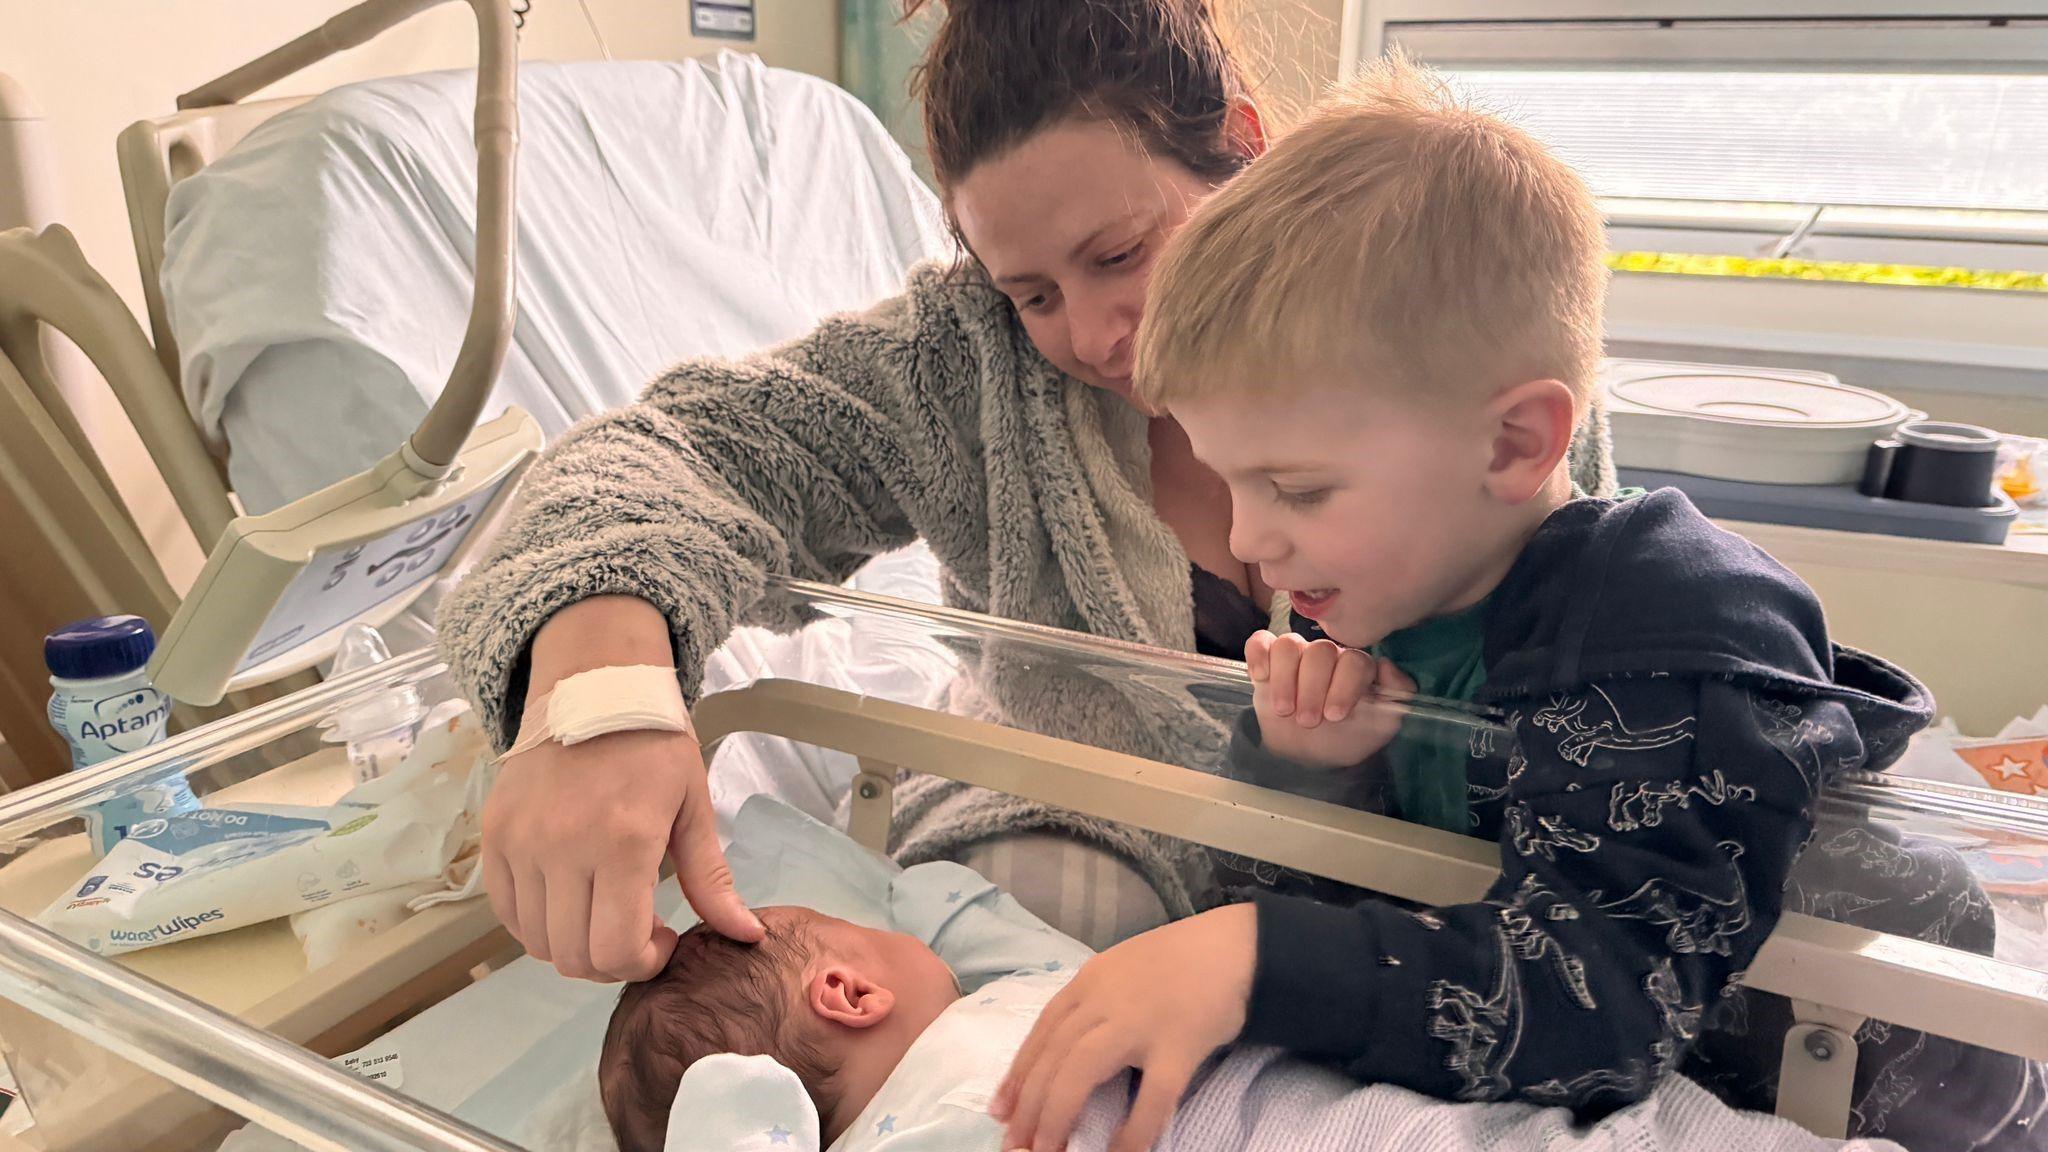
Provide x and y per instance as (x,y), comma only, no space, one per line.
(1674,704)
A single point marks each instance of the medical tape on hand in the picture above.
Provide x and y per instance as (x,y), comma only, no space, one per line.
(631,698)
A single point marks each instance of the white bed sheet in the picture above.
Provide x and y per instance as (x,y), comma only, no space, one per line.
(891,662)
(318,275)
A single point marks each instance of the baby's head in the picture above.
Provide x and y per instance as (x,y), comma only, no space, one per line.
(1382,336)
(833,1002)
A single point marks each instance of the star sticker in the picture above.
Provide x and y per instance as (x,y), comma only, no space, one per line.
(886,1127)
(2009,768)
(778,1135)
(953,897)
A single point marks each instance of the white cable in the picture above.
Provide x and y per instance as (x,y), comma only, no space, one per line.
(592,21)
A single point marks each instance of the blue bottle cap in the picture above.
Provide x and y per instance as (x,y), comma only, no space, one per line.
(100,647)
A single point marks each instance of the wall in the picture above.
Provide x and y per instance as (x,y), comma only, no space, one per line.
(96,66)
(1298,39)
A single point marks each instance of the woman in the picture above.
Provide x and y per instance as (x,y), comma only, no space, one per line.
(983,410)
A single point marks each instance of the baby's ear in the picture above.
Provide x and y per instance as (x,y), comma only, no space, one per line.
(843,995)
(1533,424)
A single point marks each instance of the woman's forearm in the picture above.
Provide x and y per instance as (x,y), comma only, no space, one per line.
(600,632)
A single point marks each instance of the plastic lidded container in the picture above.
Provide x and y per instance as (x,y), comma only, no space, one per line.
(1754,425)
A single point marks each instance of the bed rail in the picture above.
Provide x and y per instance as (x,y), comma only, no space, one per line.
(1835,975)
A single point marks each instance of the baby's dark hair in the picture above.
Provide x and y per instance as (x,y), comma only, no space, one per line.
(715,995)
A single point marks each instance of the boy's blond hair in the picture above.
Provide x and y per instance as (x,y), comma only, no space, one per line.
(1397,236)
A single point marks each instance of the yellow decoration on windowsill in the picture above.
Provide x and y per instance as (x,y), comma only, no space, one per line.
(1682,264)
(2019,481)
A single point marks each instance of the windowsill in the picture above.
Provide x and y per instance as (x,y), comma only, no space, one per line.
(2022,560)
(1944,326)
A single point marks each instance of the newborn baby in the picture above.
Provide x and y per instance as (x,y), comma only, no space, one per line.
(833,1002)
(893,1058)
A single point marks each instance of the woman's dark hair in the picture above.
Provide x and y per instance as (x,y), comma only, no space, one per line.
(997,71)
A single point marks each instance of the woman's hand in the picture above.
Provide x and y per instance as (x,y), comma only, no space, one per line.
(1160,1002)
(1308,697)
(573,837)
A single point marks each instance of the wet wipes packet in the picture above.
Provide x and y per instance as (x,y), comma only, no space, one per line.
(196,873)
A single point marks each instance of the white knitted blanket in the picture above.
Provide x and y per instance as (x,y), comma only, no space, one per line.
(1256,1100)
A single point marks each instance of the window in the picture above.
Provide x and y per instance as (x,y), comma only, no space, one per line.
(1903,145)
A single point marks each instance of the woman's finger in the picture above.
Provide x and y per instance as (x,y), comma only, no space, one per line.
(503,892)
(532,902)
(568,914)
(701,866)
(618,950)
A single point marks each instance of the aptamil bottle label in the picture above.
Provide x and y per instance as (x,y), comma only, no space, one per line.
(104,721)
(102,702)
(100,727)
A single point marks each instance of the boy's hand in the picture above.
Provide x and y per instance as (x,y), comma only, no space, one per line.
(1160,1002)
(1307,695)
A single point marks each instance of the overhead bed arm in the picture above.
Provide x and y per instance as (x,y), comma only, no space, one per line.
(433,447)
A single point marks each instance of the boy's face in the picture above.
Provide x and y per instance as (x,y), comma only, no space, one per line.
(1371,509)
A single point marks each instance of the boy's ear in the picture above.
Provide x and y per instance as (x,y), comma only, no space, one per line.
(841,994)
(1532,424)
(1246,128)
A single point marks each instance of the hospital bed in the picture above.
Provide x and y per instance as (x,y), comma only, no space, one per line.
(144,1052)
(668,210)
(306,264)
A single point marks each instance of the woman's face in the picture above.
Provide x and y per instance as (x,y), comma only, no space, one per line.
(1068,224)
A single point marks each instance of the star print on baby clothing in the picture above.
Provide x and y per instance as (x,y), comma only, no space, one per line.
(953,897)
(886,1126)
(778,1135)
(986,1001)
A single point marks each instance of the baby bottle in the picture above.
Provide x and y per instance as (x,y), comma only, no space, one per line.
(379,729)
(102,702)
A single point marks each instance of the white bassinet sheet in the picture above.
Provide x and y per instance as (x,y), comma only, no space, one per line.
(516,1054)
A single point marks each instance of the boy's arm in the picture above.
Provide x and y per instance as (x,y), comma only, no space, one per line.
(1651,825)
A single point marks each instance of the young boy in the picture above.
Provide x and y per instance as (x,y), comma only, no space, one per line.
(1382,336)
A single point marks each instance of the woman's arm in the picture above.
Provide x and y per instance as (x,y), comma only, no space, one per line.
(642,537)
(805,460)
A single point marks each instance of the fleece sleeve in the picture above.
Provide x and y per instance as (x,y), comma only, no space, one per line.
(802,461)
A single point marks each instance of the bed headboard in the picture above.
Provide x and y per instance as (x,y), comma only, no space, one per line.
(156,154)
